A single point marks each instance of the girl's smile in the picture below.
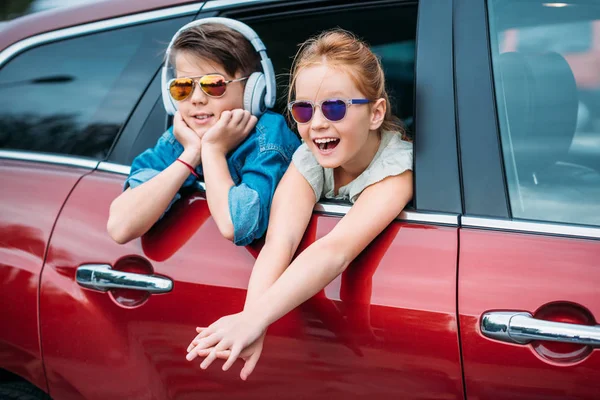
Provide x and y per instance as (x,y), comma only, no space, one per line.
(326,145)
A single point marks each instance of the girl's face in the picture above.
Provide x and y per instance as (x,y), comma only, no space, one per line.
(200,111)
(345,139)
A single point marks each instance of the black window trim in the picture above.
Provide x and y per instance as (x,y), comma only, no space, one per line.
(437,178)
(484,185)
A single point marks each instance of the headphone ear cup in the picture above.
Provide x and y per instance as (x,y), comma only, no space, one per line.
(168,102)
(254,94)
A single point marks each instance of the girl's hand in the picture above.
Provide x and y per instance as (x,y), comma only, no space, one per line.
(230,130)
(203,332)
(190,140)
(250,355)
(234,333)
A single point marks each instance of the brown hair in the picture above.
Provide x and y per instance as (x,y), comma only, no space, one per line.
(221,44)
(338,47)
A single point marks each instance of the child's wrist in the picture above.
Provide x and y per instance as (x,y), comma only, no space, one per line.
(215,148)
(191,157)
(258,316)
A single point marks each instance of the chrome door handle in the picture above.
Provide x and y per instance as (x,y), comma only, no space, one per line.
(102,277)
(522,328)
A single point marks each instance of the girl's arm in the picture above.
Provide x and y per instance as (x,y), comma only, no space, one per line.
(291,210)
(329,256)
(312,270)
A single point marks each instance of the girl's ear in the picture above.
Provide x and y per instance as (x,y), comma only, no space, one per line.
(377,114)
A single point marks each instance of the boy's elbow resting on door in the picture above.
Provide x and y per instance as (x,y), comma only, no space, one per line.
(119,228)
(226,230)
(116,232)
(120,231)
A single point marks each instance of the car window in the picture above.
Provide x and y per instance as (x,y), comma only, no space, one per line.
(72,96)
(389,30)
(546,65)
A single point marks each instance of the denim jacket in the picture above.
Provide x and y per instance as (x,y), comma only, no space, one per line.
(256,166)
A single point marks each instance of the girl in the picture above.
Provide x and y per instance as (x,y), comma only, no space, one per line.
(353,149)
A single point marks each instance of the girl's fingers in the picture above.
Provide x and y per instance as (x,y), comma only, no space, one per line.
(199,338)
(206,332)
(212,356)
(204,343)
(249,366)
(194,341)
(235,352)
(222,354)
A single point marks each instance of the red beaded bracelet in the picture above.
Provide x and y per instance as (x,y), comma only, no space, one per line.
(189,167)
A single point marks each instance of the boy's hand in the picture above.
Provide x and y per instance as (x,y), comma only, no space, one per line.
(190,140)
(229,131)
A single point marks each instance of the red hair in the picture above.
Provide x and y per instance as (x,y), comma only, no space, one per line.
(340,48)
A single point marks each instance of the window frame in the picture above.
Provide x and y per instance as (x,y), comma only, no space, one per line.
(487,206)
(484,186)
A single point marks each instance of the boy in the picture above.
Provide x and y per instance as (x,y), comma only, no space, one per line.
(240,158)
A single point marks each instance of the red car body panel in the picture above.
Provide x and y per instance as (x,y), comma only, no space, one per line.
(32,195)
(501,271)
(386,328)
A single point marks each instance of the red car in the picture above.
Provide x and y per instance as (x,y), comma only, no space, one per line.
(486,287)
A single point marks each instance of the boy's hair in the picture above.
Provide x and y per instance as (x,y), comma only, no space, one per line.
(221,44)
(340,48)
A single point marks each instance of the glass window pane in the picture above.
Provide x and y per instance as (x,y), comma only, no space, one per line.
(546,63)
(73,96)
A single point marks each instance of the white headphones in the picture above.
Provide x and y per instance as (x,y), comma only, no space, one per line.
(259,93)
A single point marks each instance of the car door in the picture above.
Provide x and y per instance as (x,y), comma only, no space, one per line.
(117,319)
(58,119)
(57,123)
(529,279)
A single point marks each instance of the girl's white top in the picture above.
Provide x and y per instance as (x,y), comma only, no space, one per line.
(393,157)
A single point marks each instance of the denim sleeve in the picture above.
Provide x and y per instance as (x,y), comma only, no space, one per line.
(250,201)
(155,160)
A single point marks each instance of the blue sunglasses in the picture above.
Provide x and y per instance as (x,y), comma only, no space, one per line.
(333,110)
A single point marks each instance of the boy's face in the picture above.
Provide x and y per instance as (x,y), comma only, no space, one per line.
(200,111)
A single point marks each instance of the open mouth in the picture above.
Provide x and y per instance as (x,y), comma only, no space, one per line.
(326,143)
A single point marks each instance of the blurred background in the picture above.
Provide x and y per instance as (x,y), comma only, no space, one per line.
(10,9)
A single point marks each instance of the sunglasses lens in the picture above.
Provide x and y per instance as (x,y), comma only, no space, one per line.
(302,111)
(181,88)
(213,85)
(334,110)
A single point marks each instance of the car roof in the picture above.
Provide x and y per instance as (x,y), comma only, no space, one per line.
(50,20)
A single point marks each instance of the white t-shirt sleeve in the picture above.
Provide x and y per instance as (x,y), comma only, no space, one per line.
(306,163)
(393,160)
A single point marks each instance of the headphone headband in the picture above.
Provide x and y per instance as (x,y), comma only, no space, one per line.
(249,34)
